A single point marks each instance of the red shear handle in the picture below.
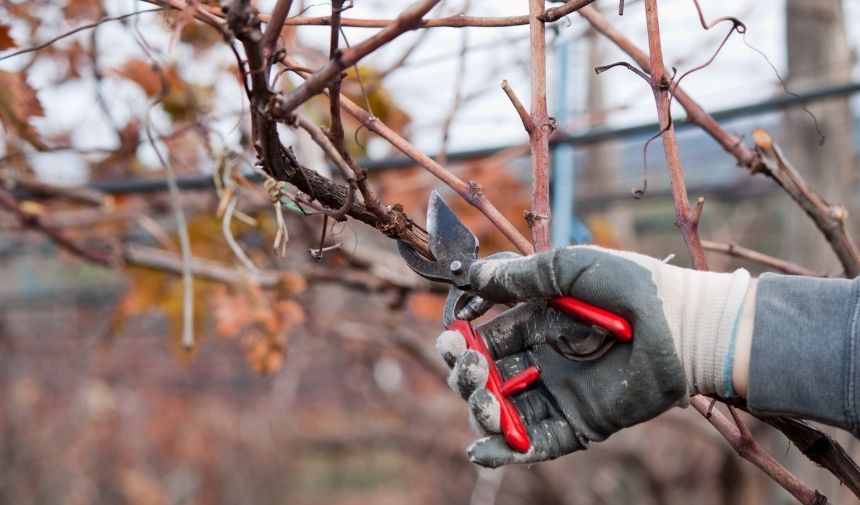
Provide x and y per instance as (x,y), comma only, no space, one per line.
(512,426)
(613,323)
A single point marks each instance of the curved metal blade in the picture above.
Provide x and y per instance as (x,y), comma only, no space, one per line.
(453,246)
(432,270)
(449,237)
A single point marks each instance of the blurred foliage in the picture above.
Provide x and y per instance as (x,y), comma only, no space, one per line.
(18,105)
(6,40)
(182,101)
(363,86)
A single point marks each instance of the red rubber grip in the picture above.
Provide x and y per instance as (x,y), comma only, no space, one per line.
(512,426)
(615,324)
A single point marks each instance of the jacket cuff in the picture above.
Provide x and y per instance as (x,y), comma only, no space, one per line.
(805,360)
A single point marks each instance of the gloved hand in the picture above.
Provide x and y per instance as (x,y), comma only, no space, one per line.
(683,326)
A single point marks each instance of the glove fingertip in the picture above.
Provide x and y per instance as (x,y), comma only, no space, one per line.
(491,452)
(550,439)
(486,412)
(470,372)
(450,345)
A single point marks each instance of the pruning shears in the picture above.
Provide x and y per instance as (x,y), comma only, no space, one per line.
(454,249)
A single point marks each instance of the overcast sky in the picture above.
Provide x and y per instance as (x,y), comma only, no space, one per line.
(738,76)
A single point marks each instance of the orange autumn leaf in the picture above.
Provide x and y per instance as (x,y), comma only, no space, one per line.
(181,100)
(123,161)
(145,289)
(145,292)
(185,28)
(262,320)
(230,316)
(265,352)
(18,104)
(290,313)
(83,9)
(292,283)
(77,59)
(142,74)
(150,290)
(6,40)
(200,36)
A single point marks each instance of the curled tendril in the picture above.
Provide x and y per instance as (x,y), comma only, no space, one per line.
(639,191)
(739,27)
(821,137)
(628,66)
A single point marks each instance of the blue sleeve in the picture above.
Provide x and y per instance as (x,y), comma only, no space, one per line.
(805,359)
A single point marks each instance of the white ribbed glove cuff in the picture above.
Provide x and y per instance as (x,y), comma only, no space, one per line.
(703,311)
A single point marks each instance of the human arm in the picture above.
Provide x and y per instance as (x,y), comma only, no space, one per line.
(743,342)
(796,351)
(693,329)
(805,350)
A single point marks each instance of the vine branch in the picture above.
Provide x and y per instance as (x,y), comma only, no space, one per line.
(336,133)
(539,129)
(34,221)
(832,227)
(525,117)
(742,441)
(733,249)
(284,104)
(471,191)
(829,218)
(281,164)
(550,15)
(687,220)
(274,27)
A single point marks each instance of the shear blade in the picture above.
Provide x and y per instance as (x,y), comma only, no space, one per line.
(449,237)
(432,270)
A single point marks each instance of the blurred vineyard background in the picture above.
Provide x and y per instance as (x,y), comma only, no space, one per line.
(316,382)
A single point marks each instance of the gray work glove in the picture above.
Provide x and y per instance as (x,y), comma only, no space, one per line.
(683,325)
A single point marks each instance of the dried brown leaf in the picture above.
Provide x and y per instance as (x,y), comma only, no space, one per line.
(292,283)
(141,73)
(230,311)
(200,36)
(6,40)
(83,9)
(290,313)
(182,100)
(265,352)
(18,104)
(76,58)
(185,28)
(20,98)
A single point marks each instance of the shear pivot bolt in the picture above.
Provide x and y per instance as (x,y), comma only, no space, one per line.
(456,267)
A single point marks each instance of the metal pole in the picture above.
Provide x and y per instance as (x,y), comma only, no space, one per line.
(562,158)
